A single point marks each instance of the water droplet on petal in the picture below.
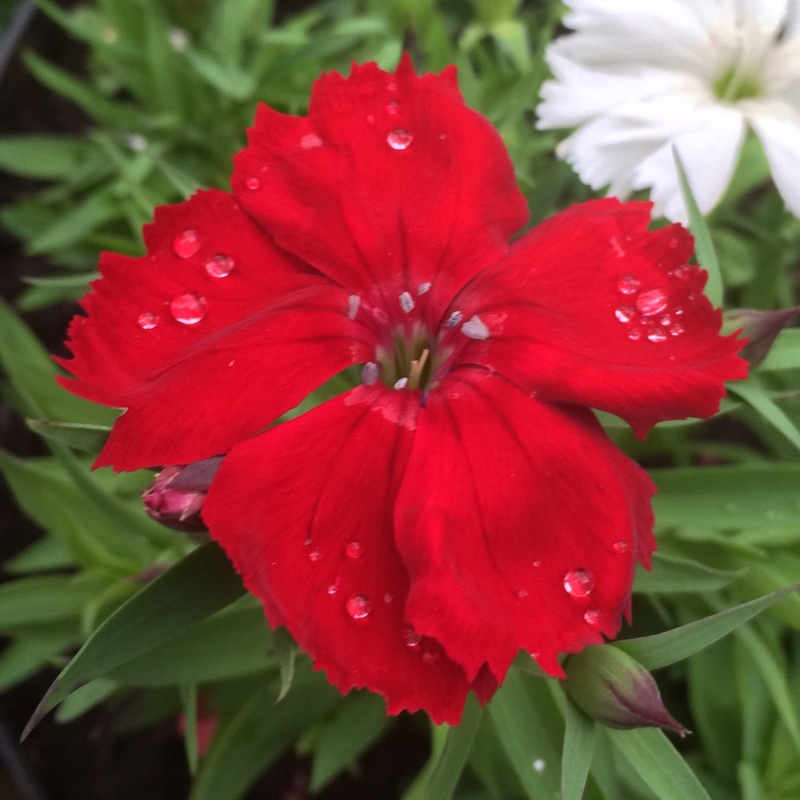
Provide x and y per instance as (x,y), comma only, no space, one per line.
(219,266)
(592,617)
(634,334)
(314,555)
(536,563)
(657,335)
(430,657)
(188,308)
(651,302)
(475,328)
(253,184)
(353,302)
(358,607)
(353,550)
(399,139)
(392,107)
(147,320)
(412,638)
(522,594)
(453,319)
(388,598)
(424,287)
(391,86)
(186,244)
(627,285)
(407,302)
(310,141)
(369,374)
(616,246)
(578,582)
(624,313)
(676,329)
(370,118)
(621,547)
(334,587)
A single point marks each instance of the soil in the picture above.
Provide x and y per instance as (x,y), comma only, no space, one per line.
(87,759)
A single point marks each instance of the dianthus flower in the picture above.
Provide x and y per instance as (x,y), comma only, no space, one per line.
(461,502)
(638,79)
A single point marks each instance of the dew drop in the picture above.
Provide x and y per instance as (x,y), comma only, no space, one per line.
(314,555)
(429,657)
(651,302)
(188,308)
(399,139)
(392,107)
(624,313)
(358,607)
(253,184)
(147,320)
(539,765)
(369,374)
(186,244)
(657,335)
(412,638)
(621,547)
(627,285)
(634,334)
(406,302)
(616,246)
(536,563)
(219,266)
(522,594)
(676,329)
(681,273)
(578,582)
(424,287)
(353,302)
(453,319)
(334,587)
(353,550)
(310,141)
(391,86)
(388,598)
(592,617)
(370,118)
(475,328)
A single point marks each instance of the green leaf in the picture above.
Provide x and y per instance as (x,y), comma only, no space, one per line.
(42,157)
(25,655)
(245,745)
(704,248)
(358,722)
(48,553)
(784,353)
(189,703)
(286,652)
(576,760)
(79,436)
(85,698)
(193,589)
(31,601)
(674,575)
(758,400)
(662,649)
(655,760)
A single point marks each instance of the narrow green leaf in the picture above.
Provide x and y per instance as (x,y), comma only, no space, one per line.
(86,437)
(704,248)
(758,400)
(43,157)
(673,575)
(658,764)
(26,655)
(189,702)
(193,589)
(576,760)
(30,601)
(286,652)
(358,722)
(662,649)
(48,553)
(85,698)
(784,353)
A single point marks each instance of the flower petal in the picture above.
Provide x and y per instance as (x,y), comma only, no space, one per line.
(305,513)
(200,358)
(591,309)
(390,180)
(779,132)
(520,525)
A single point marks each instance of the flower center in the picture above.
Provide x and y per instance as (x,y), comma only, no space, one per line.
(411,362)
(736,83)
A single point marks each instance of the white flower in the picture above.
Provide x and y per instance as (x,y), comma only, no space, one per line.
(638,77)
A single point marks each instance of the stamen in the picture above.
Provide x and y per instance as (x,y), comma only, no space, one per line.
(454,319)
(406,302)
(369,374)
(401,384)
(475,328)
(415,373)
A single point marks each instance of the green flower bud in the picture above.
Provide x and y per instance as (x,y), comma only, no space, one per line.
(614,689)
(760,327)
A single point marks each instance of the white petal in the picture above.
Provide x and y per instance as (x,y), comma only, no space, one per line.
(781,140)
(708,149)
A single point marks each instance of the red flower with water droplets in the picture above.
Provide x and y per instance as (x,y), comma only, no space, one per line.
(461,502)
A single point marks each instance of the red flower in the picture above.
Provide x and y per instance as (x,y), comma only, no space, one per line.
(461,503)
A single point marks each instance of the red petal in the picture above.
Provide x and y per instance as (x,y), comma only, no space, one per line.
(590,308)
(305,514)
(506,502)
(332,189)
(252,345)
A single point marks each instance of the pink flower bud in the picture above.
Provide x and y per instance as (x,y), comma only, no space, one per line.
(614,689)
(178,492)
(761,329)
